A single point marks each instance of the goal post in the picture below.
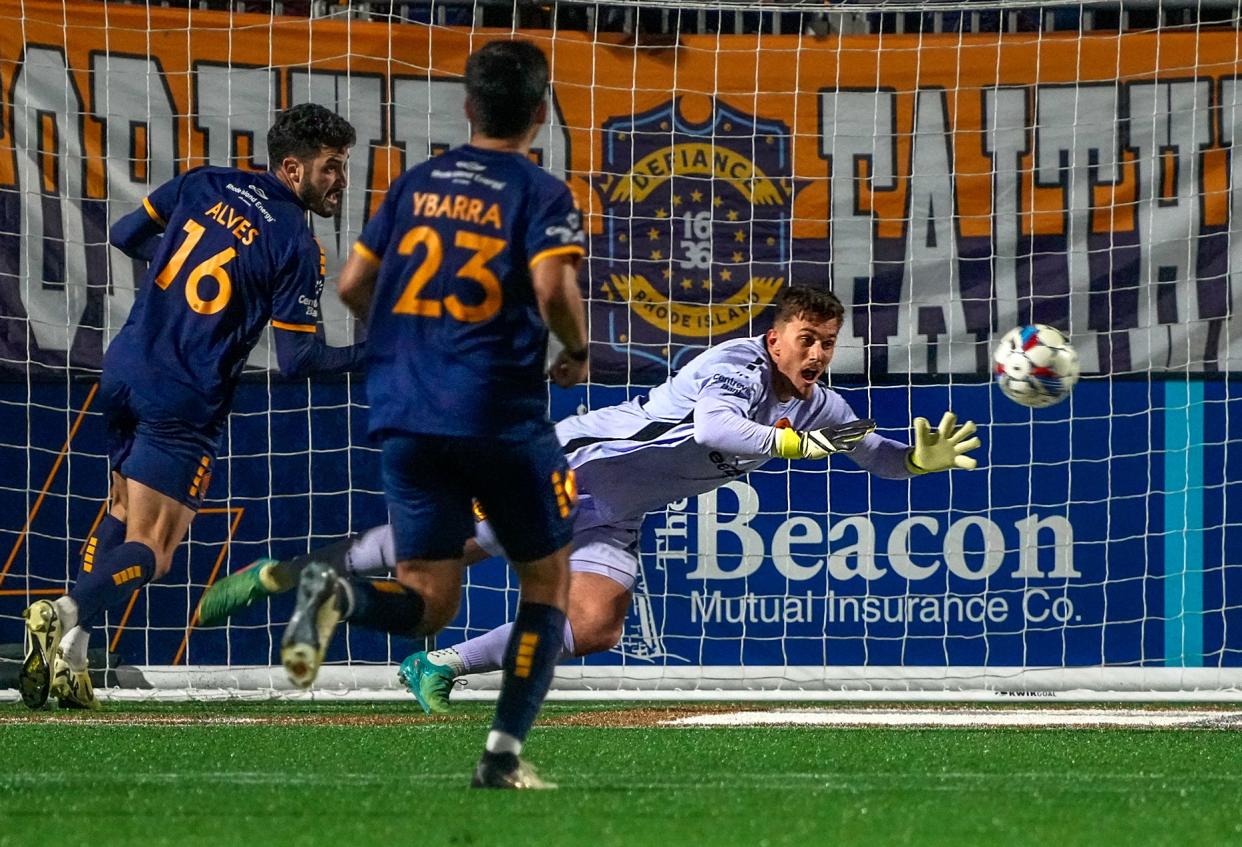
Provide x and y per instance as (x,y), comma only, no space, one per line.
(950,171)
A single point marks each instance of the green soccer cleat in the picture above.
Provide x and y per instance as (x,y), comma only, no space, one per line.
(234,593)
(43,634)
(429,682)
(72,689)
(506,770)
(310,629)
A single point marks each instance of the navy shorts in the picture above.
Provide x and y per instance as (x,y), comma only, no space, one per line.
(150,446)
(523,484)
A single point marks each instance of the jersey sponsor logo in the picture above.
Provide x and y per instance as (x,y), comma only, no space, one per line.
(250,199)
(697,217)
(731,386)
(311,304)
(571,232)
(466,176)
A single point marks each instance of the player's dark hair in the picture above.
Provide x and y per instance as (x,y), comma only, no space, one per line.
(303,130)
(812,304)
(505,83)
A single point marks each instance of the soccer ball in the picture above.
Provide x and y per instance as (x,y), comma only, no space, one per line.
(1035,365)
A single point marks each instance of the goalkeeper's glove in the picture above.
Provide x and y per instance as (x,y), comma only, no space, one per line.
(820,443)
(942,448)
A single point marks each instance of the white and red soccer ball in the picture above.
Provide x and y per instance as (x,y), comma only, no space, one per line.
(1035,365)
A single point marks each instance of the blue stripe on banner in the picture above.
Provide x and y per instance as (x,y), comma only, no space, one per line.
(1183,523)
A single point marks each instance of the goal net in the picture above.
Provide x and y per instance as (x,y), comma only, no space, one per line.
(951,171)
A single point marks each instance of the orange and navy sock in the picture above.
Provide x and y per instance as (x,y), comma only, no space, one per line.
(113,577)
(530,660)
(383,605)
(107,535)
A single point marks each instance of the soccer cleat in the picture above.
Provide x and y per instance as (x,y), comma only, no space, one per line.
(72,689)
(234,593)
(43,633)
(429,682)
(505,770)
(310,629)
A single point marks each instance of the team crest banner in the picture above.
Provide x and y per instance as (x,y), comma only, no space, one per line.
(945,188)
(696,227)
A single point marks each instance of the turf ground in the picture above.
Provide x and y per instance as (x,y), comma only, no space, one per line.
(260,774)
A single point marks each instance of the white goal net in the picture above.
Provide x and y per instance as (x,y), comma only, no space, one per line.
(950,170)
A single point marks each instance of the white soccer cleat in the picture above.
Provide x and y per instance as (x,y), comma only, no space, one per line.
(43,634)
(72,689)
(310,629)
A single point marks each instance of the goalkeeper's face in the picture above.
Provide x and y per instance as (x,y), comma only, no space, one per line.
(323,181)
(801,350)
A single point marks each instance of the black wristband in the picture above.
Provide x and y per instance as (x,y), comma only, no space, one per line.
(575,355)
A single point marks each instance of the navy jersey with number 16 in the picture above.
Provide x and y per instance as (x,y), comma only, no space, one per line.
(236,252)
(455,343)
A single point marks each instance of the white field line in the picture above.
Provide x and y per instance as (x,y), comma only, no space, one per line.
(967,718)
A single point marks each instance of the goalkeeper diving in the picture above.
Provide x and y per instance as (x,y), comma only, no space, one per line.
(730,410)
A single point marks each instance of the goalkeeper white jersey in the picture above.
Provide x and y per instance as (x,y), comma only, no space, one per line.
(714,420)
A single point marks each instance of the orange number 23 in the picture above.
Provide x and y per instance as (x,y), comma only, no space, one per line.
(484,249)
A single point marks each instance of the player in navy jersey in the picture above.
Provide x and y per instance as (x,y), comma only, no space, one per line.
(230,251)
(470,259)
(730,410)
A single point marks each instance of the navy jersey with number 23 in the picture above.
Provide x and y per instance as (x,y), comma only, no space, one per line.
(456,344)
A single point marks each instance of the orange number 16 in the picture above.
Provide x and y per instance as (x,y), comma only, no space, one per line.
(212,267)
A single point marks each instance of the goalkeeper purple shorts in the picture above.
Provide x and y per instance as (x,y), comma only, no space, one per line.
(523,484)
(606,549)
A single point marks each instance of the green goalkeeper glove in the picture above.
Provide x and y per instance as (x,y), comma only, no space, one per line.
(820,443)
(943,448)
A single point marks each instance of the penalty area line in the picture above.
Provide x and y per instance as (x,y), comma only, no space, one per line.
(1032,718)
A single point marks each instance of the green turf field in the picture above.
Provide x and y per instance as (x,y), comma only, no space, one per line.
(385,775)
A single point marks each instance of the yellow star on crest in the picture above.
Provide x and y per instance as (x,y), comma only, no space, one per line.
(666,273)
(696,195)
(661,213)
(657,255)
(653,234)
(771,241)
(717,200)
(726,275)
(739,236)
(676,199)
(738,257)
(687,284)
(732,215)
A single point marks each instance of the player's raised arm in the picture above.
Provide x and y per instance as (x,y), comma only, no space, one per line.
(139,234)
(722,416)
